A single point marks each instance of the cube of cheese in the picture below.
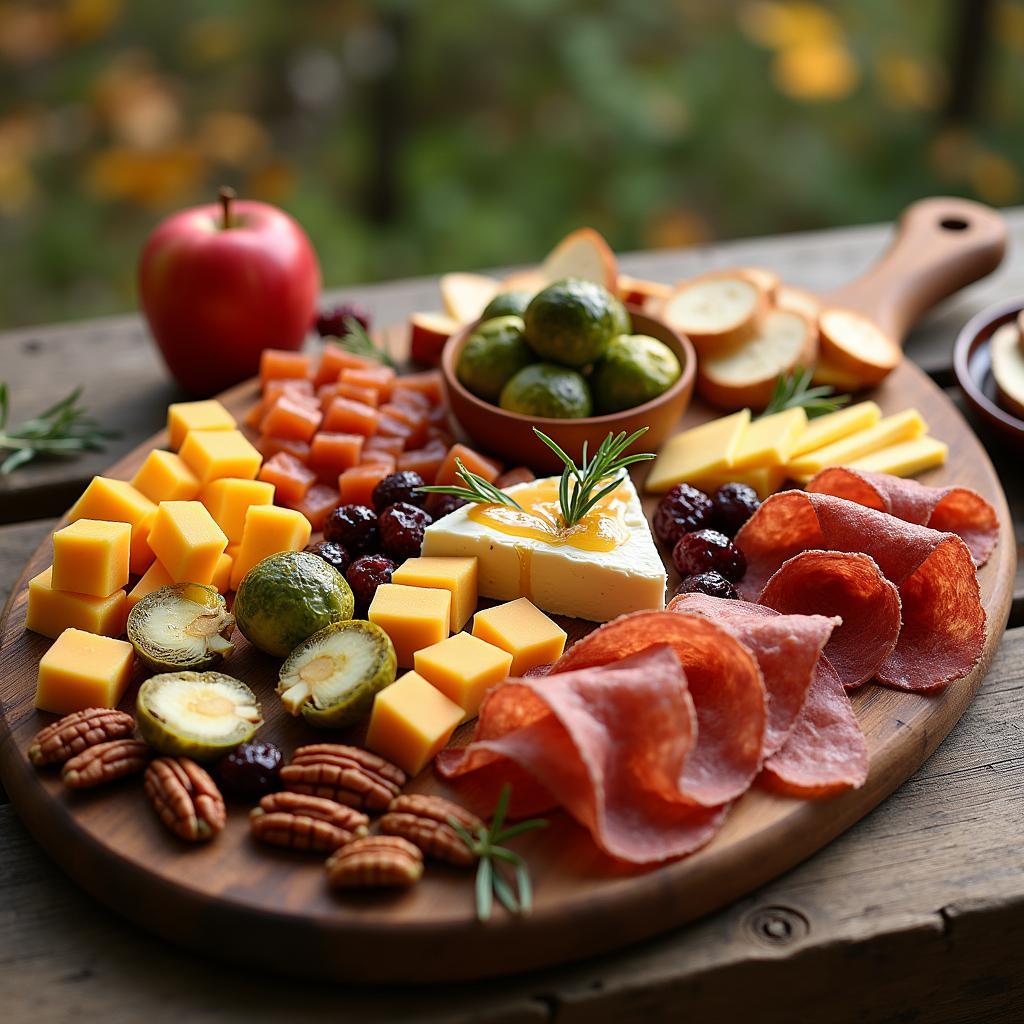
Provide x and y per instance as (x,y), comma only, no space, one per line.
(410,722)
(183,417)
(156,577)
(187,541)
(91,557)
(229,498)
(221,580)
(118,502)
(523,630)
(82,670)
(51,611)
(268,530)
(697,452)
(212,454)
(835,425)
(164,476)
(414,617)
(463,668)
(458,575)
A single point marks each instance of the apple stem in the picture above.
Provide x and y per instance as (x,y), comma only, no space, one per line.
(226,195)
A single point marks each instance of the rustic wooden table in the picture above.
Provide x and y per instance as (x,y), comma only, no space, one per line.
(915,914)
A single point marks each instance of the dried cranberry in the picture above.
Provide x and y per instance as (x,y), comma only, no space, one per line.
(439,505)
(711,583)
(396,487)
(683,509)
(331,322)
(366,574)
(355,526)
(401,530)
(332,552)
(251,769)
(708,551)
(734,505)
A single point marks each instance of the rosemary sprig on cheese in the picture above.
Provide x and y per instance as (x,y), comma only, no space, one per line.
(794,390)
(476,489)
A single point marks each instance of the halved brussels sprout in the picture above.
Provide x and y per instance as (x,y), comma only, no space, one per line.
(181,626)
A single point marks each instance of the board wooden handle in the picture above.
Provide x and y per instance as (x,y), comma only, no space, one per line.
(942,244)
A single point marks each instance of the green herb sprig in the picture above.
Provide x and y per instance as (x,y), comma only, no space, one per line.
(515,895)
(359,343)
(794,390)
(64,429)
(477,489)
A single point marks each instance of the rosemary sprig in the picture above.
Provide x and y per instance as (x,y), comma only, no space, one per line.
(794,390)
(64,429)
(477,489)
(515,895)
(359,343)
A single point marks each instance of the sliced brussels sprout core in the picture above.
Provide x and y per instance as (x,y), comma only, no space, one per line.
(182,625)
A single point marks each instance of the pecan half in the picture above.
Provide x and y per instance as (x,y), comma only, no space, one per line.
(344,774)
(105,762)
(186,798)
(69,736)
(423,820)
(301,822)
(375,862)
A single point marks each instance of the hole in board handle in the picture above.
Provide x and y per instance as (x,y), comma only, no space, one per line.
(954,224)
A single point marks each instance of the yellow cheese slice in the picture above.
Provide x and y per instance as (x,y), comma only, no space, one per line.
(904,426)
(835,426)
(764,479)
(904,459)
(698,452)
(769,441)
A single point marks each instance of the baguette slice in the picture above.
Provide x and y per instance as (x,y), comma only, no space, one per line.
(465,295)
(826,372)
(746,375)
(767,280)
(799,300)
(1008,368)
(583,254)
(854,344)
(639,292)
(717,312)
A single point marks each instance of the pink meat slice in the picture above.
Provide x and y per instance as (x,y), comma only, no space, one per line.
(958,510)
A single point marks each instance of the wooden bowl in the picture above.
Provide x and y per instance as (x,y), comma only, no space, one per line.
(510,434)
(972,363)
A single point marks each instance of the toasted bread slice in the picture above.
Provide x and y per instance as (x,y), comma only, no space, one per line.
(717,312)
(585,254)
(826,372)
(800,301)
(639,292)
(465,295)
(767,280)
(854,344)
(1008,368)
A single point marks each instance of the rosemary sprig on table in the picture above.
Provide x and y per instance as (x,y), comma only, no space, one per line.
(359,343)
(477,489)
(516,896)
(794,390)
(64,429)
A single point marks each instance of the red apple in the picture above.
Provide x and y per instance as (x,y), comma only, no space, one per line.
(427,334)
(222,282)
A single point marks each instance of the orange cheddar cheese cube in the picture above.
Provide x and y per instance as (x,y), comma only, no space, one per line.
(156,577)
(164,476)
(183,417)
(268,529)
(463,668)
(410,722)
(116,501)
(414,617)
(221,579)
(51,611)
(523,630)
(83,670)
(187,541)
(90,556)
(457,575)
(228,499)
(212,454)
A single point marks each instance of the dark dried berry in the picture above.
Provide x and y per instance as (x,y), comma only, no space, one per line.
(711,583)
(682,510)
(401,530)
(734,505)
(439,505)
(251,769)
(355,526)
(331,322)
(366,574)
(396,487)
(332,552)
(708,551)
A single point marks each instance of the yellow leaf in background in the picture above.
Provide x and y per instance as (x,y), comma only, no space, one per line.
(273,183)
(1009,27)
(212,40)
(994,178)
(151,178)
(139,106)
(85,20)
(816,72)
(676,229)
(17,186)
(908,83)
(779,26)
(232,138)
(28,34)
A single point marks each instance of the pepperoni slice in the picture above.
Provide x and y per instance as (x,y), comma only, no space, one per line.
(787,648)
(724,681)
(958,510)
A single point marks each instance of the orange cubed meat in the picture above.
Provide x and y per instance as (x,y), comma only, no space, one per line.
(270,446)
(298,388)
(290,477)
(346,416)
(473,461)
(335,359)
(319,501)
(427,383)
(393,446)
(289,417)
(412,401)
(380,378)
(378,458)
(331,453)
(357,392)
(398,422)
(355,486)
(279,364)
(426,461)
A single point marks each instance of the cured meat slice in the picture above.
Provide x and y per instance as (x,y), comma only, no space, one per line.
(852,587)
(826,752)
(610,744)
(958,510)
(943,621)
(787,648)
(723,679)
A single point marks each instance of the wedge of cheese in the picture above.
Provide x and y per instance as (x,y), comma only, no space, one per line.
(905,459)
(699,452)
(835,426)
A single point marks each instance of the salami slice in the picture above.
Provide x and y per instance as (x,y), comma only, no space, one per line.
(943,620)
(787,648)
(826,752)
(609,743)
(724,681)
(852,587)
(958,510)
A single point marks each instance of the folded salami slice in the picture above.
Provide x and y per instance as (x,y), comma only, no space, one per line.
(610,744)
(852,587)
(943,620)
(724,681)
(787,648)
(956,510)
(826,752)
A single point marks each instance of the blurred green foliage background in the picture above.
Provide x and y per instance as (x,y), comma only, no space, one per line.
(412,137)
